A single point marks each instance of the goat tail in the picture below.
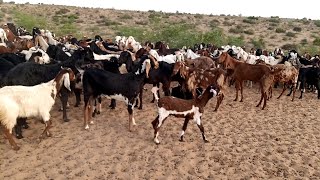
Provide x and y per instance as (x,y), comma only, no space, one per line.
(154,90)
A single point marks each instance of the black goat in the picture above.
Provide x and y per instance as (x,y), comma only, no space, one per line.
(124,87)
(56,53)
(310,76)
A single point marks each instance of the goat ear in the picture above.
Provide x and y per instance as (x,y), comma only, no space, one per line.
(66,81)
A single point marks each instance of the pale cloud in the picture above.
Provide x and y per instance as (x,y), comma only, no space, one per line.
(281,8)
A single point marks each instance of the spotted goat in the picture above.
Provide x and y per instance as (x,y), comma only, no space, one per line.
(188,109)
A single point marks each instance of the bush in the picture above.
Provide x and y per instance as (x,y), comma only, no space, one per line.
(253,18)
(317,23)
(199,16)
(249,32)
(125,16)
(111,23)
(290,34)
(249,21)
(62,11)
(280,30)
(142,23)
(236,30)
(304,41)
(316,41)
(274,19)
(258,43)
(289,46)
(297,29)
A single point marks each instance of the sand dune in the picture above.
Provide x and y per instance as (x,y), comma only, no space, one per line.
(282,141)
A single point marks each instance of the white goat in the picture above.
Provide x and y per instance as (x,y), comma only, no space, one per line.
(31,101)
(3,36)
(45,57)
(51,41)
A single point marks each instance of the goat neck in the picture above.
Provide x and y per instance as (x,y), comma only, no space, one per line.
(203,99)
(63,78)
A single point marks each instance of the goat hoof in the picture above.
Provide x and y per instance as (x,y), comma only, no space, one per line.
(140,107)
(98,112)
(181,140)
(66,120)
(19,136)
(77,105)
(300,97)
(235,100)
(206,141)
(86,127)
(241,100)
(152,101)
(16,148)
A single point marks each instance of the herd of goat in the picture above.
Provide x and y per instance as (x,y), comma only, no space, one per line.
(36,67)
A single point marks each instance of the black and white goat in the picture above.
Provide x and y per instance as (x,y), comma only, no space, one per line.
(31,101)
(188,109)
(123,87)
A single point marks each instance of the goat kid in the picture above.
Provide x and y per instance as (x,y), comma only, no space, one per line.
(188,109)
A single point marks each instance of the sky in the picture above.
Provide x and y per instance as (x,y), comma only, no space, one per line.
(282,8)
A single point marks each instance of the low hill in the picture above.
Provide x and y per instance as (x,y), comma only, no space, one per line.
(177,29)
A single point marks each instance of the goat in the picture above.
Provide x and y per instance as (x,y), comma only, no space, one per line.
(123,87)
(203,78)
(288,75)
(30,101)
(188,109)
(310,76)
(262,74)
(3,35)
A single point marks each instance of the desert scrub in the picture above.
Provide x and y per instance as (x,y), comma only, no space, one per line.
(260,43)
(317,23)
(280,30)
(290,34)
(297,29)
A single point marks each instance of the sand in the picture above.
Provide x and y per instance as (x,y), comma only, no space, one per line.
(282,141)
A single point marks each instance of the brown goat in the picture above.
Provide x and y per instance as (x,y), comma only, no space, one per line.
(288,75)
(261,74)
(203,78)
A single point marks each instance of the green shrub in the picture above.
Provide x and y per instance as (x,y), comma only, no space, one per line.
(297,29)
(260,43)
(125,16)
(253,18)
(304,41)
(317,23)
(280,30)
(316,41)
(249,21)
(290,34)
(274,19)
(62,11)
(289,46)
(235,30)
(198,16)
(249,32)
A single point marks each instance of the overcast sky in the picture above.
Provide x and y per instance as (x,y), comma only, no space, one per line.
(266,8)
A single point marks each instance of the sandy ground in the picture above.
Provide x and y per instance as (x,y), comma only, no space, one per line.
(282,141)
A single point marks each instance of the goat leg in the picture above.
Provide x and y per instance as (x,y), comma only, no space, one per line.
(202,132)
(283,89)
(265,100)
(10,139)
(21,122)
(184,128)
(77,93)
(260,100)
(130,111)
(140,99)
(219,101)
(241,91)
(64,101)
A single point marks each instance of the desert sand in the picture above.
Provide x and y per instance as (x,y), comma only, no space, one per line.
(282,141)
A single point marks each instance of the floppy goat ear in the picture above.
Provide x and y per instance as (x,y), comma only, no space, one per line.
(66,81)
